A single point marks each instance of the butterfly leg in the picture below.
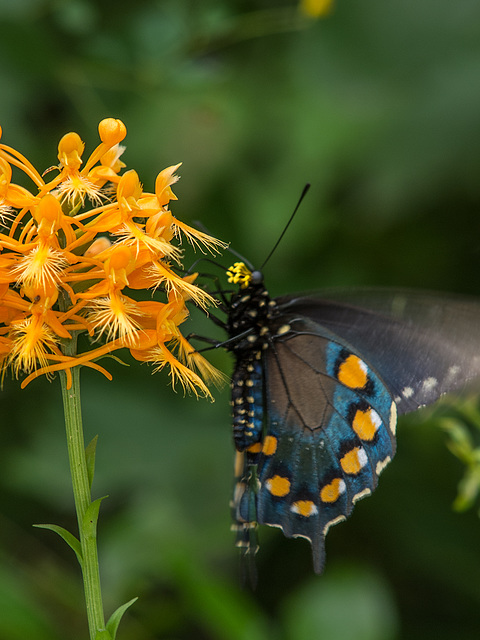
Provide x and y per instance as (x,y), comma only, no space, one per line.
(244,515)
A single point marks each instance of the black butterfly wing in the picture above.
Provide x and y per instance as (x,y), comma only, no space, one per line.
(422,344)
(329,407)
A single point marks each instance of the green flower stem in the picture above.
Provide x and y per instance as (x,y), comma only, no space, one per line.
(82,495)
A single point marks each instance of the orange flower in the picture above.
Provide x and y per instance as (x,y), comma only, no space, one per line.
(74,251)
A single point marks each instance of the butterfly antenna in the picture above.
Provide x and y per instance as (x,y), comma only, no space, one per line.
(203,228)
(303,194)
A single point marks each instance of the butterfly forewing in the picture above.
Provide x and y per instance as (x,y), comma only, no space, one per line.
(422,345)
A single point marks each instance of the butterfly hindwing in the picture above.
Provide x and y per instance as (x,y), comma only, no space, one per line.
(328,434)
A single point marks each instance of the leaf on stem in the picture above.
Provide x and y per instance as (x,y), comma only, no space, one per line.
(114,620)
(69,538)
(90,518)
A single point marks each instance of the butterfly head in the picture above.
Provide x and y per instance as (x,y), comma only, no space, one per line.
(250,309)
(240,274)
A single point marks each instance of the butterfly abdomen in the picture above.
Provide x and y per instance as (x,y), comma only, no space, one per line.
(247,402)
(250,312)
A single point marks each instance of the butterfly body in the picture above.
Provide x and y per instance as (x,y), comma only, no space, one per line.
(251,313)
(316,388)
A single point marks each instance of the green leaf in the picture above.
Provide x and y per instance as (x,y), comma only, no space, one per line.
(468,488)
(90,452)
(69,538)
(103,634)
(90,518)
(460,441)
(114,620)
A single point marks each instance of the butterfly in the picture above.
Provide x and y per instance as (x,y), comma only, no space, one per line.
(316,389)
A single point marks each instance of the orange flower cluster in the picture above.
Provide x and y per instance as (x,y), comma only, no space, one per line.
(73,250)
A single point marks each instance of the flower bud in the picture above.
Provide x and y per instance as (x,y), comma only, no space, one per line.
(112,131)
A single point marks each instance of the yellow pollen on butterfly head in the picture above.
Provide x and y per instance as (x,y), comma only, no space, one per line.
(366,423)
(240,274)
(278,486)
(354,461)
(331,492)
(269,445)
(305,508)
(353,372)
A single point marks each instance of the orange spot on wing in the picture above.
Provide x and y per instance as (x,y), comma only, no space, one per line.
(305,508)
(331,492)
(353,372)
(366,423)
(269,445)
(278,486)
(354,461)
(255,448)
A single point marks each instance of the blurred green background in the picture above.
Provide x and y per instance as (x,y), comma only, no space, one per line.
(378,106)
